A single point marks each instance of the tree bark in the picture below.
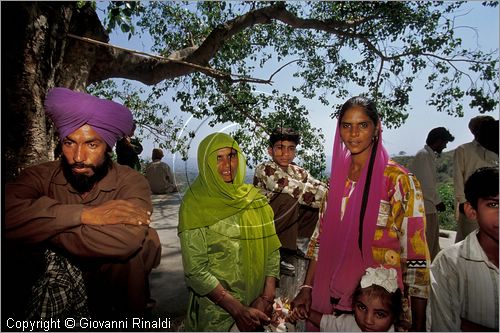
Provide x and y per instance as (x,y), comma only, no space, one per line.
(37,56)
(32,53)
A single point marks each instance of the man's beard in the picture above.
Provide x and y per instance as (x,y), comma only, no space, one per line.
(83,183)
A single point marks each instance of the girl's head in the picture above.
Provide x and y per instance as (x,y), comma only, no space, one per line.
(377,300)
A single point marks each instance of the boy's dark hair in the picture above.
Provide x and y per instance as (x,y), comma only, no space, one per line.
(439,133)
(482,184)
(284,134)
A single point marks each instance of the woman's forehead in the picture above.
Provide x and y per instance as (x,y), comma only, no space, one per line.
(225,151)
(355,113)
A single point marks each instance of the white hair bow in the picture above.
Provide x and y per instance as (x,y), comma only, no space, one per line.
(381,276)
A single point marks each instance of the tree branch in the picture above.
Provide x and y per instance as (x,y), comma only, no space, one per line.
(120,62)
(379,74)
(151,69)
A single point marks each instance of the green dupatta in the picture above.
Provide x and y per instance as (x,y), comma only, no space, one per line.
(209,199)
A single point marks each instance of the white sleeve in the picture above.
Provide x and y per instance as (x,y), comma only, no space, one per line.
(459,174)
(445,299)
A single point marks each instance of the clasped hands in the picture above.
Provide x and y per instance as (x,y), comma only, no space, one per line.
(258,314)
(116,212)
(300,305)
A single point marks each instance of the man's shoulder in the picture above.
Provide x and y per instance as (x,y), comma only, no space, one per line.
(451,251)
(125,171)
(424,152)
(468,145)
(458,254)
(267,167)
(44,168)
(264,164)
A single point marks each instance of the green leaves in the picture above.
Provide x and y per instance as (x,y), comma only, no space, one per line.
(153,118)
(120,14)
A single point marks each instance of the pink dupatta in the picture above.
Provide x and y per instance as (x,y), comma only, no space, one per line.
(340,261)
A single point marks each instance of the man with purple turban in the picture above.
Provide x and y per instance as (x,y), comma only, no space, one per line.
(77,229)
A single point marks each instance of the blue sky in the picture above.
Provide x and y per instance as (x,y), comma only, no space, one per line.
(410,137)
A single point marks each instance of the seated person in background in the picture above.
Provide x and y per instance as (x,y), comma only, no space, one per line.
(293,193)
(159,175)
(376,303)
(77,229)
(464,276)
(128,149)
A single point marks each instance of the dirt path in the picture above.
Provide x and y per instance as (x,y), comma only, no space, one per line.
(168,286)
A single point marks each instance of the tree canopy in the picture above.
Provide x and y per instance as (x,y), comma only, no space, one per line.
(214,53)
(382,47)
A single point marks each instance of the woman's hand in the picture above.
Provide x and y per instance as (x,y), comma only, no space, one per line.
(264,305)
(294,316)
(301,304)
(248,319)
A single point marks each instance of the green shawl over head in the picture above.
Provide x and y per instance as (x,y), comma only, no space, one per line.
(209,199)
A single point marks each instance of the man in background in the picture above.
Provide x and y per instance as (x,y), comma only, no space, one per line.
(159,175)
(128,149)
(469,157)
(424,168)
(293,193)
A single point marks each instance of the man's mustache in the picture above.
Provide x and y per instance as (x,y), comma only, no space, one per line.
(79,165)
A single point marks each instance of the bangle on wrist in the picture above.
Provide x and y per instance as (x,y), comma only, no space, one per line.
(221,297)
(305,286)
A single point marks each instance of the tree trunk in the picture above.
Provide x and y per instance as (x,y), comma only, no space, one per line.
(36,57)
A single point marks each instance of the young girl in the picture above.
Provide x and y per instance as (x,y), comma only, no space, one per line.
(376,306)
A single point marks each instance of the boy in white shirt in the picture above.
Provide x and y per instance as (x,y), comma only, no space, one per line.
(464,276)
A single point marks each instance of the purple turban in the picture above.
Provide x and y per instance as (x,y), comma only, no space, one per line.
(70,110)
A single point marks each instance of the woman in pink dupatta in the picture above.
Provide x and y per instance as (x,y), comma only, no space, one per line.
(374,216)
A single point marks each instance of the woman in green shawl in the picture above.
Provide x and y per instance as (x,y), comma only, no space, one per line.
(230,250)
